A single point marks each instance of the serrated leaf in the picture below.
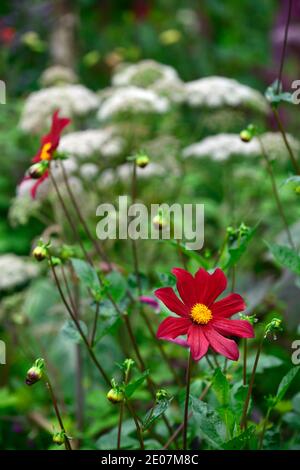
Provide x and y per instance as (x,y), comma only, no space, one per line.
(86,273)
(158,410)
(286,257)
(239,442)
(117,285)
(135,384)
(70,331)
(209,423)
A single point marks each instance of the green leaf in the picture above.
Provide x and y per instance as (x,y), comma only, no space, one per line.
(135,384)
(286,382)
(158,410)
(239,442)
(105,326)
(220,387)
(286,257)
(209,423)
(70,331)
(109,440)
(265,362)
(86,273)
(117,285)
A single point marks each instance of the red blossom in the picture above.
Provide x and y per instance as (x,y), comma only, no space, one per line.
(205,321)
(49,144)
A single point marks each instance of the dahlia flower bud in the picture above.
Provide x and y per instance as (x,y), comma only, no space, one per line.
(40,253)
(273,327)
(37,170)
(115,395)
(35,373)
(59,438)
(245,135)
(142,160)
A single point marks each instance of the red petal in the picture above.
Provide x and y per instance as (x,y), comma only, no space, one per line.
(197,341)
(202,278)
(171,301)
(241,328)
(186,286)
(224,346)
(215,284)
(171,327)
(228,306)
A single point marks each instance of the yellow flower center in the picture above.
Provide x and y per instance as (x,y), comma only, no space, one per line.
(201,314)
(45,152)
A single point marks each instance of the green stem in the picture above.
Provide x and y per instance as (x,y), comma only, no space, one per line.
(77,324)
(275,193)
(58,415)
(285,139)
(284,45)
(137,425)
(186,404)
(245,351)
(261,439)
(250,387)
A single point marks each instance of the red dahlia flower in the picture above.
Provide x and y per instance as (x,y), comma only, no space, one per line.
(205,321)
(49,143)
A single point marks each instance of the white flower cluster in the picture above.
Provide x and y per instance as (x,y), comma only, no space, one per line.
(222,146)
(57,74)
(152,75)
(82,144)
(72,100)
(124,173)
(215,92)
(131,99)
(15,271)
(275,146)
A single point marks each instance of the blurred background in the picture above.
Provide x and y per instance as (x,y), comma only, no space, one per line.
(163,76)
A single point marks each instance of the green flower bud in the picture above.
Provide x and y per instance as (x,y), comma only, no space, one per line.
(159,222)
(115,395)
(142,160)
(297,190)
(58,438)
(35,373)
(40,253)
(37,170)
(245,135)
(273,327)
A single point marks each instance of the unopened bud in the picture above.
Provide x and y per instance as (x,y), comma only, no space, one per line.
(142,160)
(245,135)
(297,190)
(115,396)
(59,438)
(37,170)
(40,253)
(35,373)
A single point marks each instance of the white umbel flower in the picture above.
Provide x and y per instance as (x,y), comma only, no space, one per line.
(72,100)
(151,75)
(215,92)
(82,144)
(132,99)
(15,271)
(221,147)
(57,74)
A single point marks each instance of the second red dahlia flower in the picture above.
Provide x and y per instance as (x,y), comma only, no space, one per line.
(201,317)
